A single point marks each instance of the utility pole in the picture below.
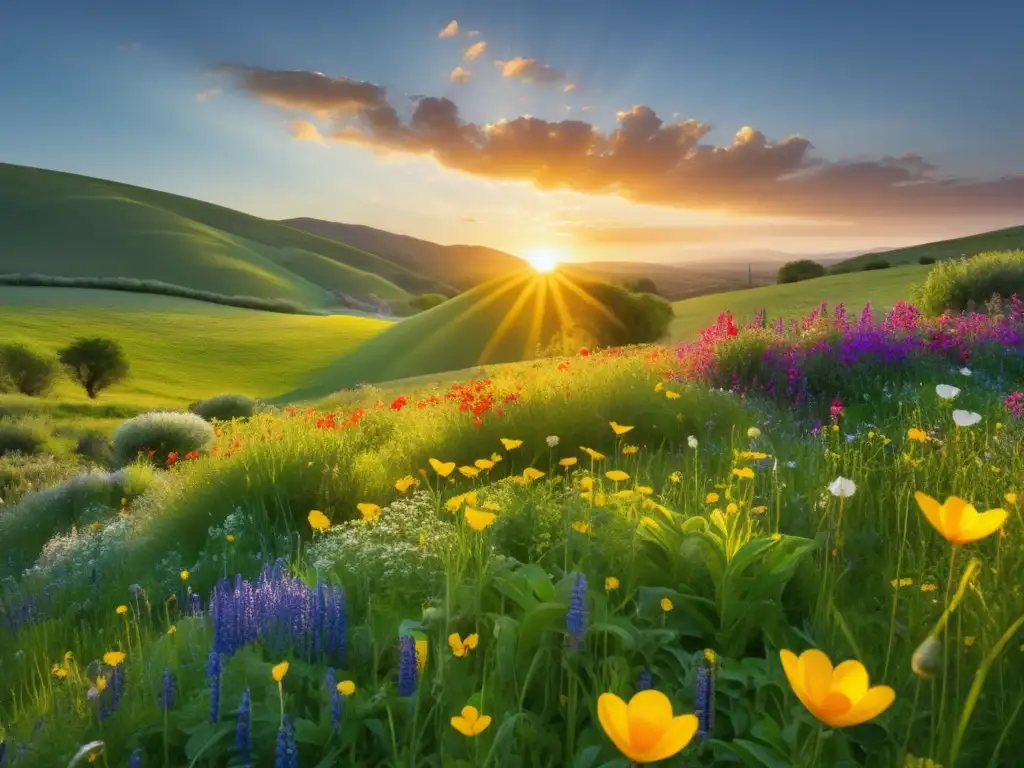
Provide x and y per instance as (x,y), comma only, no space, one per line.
(750,276)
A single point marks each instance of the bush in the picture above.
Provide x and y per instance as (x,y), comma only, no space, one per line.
(926,260)
(642,285)
(21,438)
(796,271)
(224,407)
(639,318)
(969,283)
(21,474)
(25,370)
(427,301)
(157,435)
(875,264)
(95,447)
(95,363)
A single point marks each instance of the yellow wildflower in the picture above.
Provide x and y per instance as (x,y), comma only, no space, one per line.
(346,687)
(616,475)
(443,468)
(369,511)
(581,527)
(403,484)
(469,471)
(744,473)
(510,445)
(567,462)
(318,521)
(121,610)
(611,583)
(594,455)
(666,604)
(278,671)
(479,520)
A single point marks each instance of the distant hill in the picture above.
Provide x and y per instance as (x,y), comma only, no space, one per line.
(998,240)
(459,266)
(64,224)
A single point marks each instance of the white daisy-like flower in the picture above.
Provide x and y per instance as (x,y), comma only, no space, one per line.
(843,487)
(946,391)
(966,372)
(692,442)
(552,441)
(966,418)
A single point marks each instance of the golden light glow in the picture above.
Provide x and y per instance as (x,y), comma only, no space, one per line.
(543,259)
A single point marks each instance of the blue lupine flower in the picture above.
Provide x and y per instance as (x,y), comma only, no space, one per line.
(704,698)
(287,753)
(408,673)
(136,759)
(644,681)
(576,618)
(243,730)
(331,684)
(167,692)
(197,604)
(213,673)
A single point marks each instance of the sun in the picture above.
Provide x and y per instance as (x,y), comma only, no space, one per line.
(543,259)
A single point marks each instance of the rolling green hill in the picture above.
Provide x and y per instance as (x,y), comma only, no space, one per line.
(180,350)
(998,240)
(68,225)
(882,288)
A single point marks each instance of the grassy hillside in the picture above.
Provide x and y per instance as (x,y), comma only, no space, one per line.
(64,224)
(998,240)
(882,288)
(181,350)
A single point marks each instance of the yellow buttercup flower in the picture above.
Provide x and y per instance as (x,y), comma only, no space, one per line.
(101,683)
(917,434)
(587,483)
(616,475)
(172,630)
(496,457)
(644,490)
(422,651)
(460,647)
(581,527)
(403,484)
(629,450)
(531,473)
(1011,498)
(510,445)
(611,583)
(121,610)
(318,521)
(569,461)
(838,697)
(484,464)
(479,520)
(619,429)
(666,604)
(672,395)
(229,538)
(278,671)
(594,455)
(731,509)
(744,473)
(626,493)
(751,455)
(959,522)
(676,477)
(469,471)
(712,498)
(369,511)
(183,575)
(443,468)
(346,687)
(645,730)
(897,583)
(490,506)
(113,658)
(58,671)
(471,723)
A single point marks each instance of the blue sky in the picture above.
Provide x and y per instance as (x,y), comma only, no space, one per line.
(110,89)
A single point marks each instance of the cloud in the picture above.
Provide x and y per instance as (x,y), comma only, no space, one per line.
(303,130)
(473,33)
(643,158)
(468,219)
(530,70)
(569,87)
(594,234)
(460,76)
(475,51)
(208,94)
(449,31)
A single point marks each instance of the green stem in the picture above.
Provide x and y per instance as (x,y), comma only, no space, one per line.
(910,725)
(945,638)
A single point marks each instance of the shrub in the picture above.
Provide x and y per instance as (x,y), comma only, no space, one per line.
(642,285)
(95,447)
(21,438)
(225,407)
(926,260)
(795,271)
(159,434)
(21,474)
(95,363)
(968,283)
(427,301)
(875,264)
(639,318)
(25,370)
(81,500)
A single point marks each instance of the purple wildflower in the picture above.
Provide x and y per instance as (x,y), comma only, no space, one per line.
(243,730)
(408,672)
(331,684)
(704,697)
(644,681)
(286,755)
(136,758)
(213,674)
(576,618)
(167,691)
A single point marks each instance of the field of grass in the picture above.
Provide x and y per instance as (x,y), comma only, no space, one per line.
(999,240)
(68,225)
(882,288)
(180,350)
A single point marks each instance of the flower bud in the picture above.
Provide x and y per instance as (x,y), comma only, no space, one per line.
(927,659)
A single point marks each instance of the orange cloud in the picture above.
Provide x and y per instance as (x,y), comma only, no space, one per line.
(643,159)
(449,31)
(460,76)
(468,219)
(530,70)
(303,130)
(475,51)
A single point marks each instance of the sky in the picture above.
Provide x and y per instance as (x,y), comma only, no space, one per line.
(647,130)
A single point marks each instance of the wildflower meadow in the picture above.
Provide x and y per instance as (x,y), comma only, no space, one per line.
(785,544)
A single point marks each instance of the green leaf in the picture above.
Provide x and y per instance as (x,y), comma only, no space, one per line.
(587,757)
(535,623)
(754,754)
(308,732)
(695,525)
(539,582)
(202,739)
(516,589)
(624,632)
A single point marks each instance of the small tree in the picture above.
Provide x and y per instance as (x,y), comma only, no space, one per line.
(25,370)
(795,271)
(95,363)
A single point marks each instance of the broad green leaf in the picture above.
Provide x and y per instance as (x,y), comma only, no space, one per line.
(539,582)
(623,631)
(754,754)
(536,622)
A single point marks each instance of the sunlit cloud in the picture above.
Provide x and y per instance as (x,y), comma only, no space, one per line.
(530,70)
(643,159)
(459,75)
(468,220)
(303,130)
(475,51)
(449,31)
(569,87)
(208,94)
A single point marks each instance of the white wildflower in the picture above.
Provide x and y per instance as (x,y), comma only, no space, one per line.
(966,418)
(842,487)
(965,372)
(946,391)
(692,442)
(552,441)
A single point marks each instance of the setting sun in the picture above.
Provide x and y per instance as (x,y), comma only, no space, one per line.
(543,259)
